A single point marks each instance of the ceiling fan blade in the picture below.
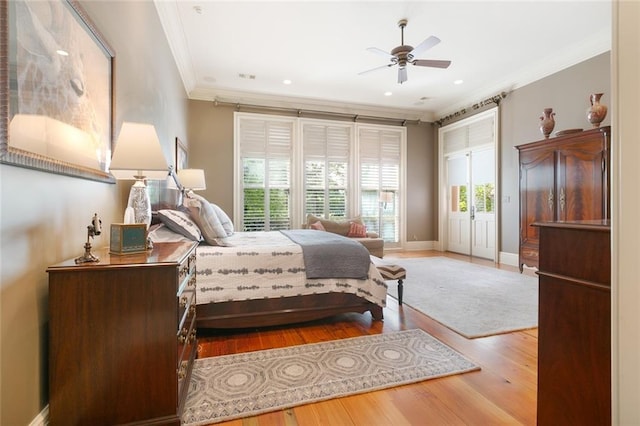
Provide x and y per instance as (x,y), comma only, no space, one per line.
(434,63)
(380,52)
(375,69)
(402,75)
(427,44)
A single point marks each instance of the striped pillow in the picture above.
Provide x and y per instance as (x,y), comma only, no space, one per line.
(180,223)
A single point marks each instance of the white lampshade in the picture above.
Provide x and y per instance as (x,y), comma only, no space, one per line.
(192,179)
(138,153)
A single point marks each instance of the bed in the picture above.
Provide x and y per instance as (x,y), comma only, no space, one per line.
(261,279)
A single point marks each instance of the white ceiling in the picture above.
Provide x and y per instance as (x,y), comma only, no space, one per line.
(320,46)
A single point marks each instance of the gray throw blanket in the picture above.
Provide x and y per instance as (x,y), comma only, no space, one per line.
(328,255)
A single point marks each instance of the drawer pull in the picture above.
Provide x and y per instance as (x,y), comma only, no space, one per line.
(182,371)
(184,271)
(182,337)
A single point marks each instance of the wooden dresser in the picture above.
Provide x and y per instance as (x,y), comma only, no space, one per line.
(122,337)
(574,334)
(562,178)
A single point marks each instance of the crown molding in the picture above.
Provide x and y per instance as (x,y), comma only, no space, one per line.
(168,14)
(279,101)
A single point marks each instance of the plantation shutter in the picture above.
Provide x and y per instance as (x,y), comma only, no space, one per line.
(326,165)
(265,147)
(380,161)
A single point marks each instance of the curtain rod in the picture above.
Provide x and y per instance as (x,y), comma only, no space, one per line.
(301,112)
(494,99)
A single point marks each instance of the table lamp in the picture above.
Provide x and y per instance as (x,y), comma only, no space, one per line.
(192,179)
(138,155)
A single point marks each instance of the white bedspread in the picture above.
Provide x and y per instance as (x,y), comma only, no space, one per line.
(268,265)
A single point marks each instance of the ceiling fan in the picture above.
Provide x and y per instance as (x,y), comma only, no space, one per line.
(405,54)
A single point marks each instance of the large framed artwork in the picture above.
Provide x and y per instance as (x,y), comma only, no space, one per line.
(56,89)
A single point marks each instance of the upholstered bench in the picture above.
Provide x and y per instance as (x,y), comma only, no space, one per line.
(391,271)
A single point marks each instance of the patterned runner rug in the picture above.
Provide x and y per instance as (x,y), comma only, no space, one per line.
(233,386)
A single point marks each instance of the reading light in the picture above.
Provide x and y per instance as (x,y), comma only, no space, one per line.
(138,155)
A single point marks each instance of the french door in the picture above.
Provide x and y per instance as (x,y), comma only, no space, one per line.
(468,204)
(471,188)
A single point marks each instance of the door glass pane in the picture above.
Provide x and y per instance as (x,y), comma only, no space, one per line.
(459,198)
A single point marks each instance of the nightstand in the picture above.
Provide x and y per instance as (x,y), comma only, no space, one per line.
(122,337)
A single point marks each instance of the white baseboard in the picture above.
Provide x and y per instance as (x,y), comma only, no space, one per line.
(42,419)
(420,245)
(510,259)
(505,258)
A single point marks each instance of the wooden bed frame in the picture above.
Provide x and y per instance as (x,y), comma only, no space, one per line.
(283,310)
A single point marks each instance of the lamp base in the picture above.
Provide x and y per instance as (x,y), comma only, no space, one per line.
(140,202)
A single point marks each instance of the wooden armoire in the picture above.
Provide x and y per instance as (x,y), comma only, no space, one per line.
(563,178)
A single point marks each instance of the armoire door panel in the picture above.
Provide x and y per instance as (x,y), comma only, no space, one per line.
(537,202)
(581,182)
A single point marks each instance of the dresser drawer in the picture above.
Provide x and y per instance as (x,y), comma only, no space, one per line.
(186,350)
(186,303)
(186,332)
(186,324)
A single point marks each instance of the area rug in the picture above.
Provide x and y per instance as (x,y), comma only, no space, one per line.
(472,300)
(233,386)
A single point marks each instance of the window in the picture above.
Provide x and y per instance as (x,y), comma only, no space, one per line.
(288,167)
(380,164)
(326,169)
(265,155)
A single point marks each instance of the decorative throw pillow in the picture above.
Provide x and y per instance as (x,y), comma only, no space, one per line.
(340,227)
(357,230)
(317,226)
(225,221)
(207,220)
(180,223)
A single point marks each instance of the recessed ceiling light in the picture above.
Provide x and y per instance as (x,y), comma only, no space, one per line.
(286,81)
(62,52)
(458,82)
(388,93)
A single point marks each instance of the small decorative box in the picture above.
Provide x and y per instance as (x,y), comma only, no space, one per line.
(128,238)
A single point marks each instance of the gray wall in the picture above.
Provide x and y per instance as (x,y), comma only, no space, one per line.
(567,92)
(44,216)
(211,149)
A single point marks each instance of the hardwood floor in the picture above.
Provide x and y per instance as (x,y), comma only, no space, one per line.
(503,392)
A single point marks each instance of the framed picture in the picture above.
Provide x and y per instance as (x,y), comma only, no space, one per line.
(56,90)
(181,155)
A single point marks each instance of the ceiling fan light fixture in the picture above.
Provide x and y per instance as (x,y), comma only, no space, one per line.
(406,54)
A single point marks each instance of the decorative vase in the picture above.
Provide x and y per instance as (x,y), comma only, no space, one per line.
(597,111)
(547,122)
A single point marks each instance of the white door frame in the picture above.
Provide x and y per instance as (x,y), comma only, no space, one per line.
(442,178)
